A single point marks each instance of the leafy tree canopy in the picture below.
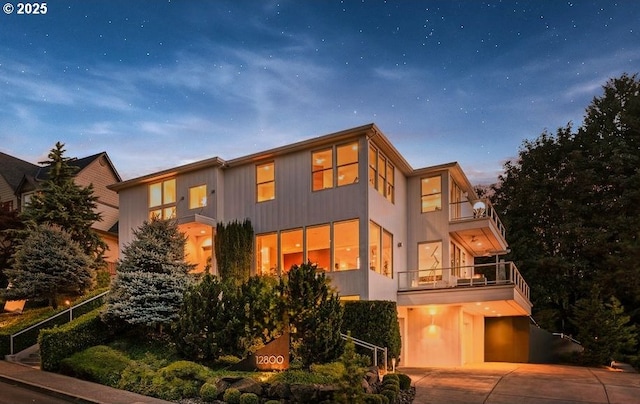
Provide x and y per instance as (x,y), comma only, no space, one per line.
(571,204)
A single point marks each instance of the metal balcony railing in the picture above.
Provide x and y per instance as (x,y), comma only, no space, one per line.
(480,209)
(500,273)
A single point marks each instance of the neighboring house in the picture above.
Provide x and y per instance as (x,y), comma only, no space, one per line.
(350,203)
(19,180)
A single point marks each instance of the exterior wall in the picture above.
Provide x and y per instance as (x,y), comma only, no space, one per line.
(135,199)
(100,174)
(296,205)
(433,336)
(6,193)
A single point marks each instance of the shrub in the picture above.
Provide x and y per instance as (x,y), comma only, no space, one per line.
(138,378)
(181,379)
(61,342)
(333,370)
(99,364)
(249,398)
(375,399)
(103,279)
(391,385)
(374,321)
(391,376)
(391,395)
(405,381)
(208,392)
(231,396)
(273,402)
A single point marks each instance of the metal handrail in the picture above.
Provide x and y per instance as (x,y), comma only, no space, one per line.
(463,210)
(478,275)
(368,345)
(69,310)
(565,336)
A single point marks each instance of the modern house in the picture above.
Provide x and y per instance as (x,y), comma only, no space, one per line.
(19,180)
(382,230)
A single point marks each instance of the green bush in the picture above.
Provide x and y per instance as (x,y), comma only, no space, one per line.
(209,392)
(375,399)
(231,396)
(138,378)
(405,381)
(374,321)
(61,342)
(103,279)
(332,371)
(298,376)
(99,364)
(391,385)
(249,398)
(391,395)
(273,402)
(391,376)
(181,379)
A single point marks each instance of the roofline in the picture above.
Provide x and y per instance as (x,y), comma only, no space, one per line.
(170,172)
(303,145)
(456,171)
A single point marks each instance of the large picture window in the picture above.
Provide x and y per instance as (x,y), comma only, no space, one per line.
(335,243)
(431,194)
(265,182)
(266,254)
(162,199)
(430,261)
(346,246)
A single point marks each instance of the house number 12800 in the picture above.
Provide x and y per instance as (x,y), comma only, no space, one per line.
(269,360)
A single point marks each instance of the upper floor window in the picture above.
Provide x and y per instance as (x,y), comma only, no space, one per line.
(322,169)
(430,261)
(381,174)
(162,199)
(265,182)
(198,197)
(327,172)
(380,250)
(431,194)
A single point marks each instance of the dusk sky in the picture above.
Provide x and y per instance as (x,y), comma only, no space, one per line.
(158,84)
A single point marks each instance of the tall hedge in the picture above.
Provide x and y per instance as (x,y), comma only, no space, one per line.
(61,342)
(234,250)
(373,321)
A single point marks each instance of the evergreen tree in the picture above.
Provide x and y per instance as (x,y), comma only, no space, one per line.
(234,250)
(62,202)
(314,314)
(350,383)
(10,223)
(151,278)
(604,329)
(47,265)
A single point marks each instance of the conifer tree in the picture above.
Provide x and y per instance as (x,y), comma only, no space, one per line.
(10,223)
(151,278)
(60,201)
(234,251)
(47,265)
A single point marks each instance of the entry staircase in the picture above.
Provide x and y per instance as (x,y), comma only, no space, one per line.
(372,347)
(23,345)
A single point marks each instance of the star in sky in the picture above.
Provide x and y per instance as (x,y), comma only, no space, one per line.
(161,83)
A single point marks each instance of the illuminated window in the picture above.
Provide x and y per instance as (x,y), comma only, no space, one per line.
(374,247)
(347,156)
(292,249)
(318,243)
(265,182)
(345,169)
(198,197)
(381,174)
(322,169)
(387,254)
(267,254)
(431,194)
(346,245)
(162,199)
(458,261)
(430,261)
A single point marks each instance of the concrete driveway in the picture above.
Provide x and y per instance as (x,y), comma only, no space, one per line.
(523,383)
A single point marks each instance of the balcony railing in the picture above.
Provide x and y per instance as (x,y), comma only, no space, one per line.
(480,209)
(501,273)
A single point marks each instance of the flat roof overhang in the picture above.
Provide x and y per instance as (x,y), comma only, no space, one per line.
(488,301)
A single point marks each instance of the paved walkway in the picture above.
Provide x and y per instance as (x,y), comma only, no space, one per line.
(75,390)
(523,383)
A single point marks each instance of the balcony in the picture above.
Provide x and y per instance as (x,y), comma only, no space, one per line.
(496,289)
(477,227)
